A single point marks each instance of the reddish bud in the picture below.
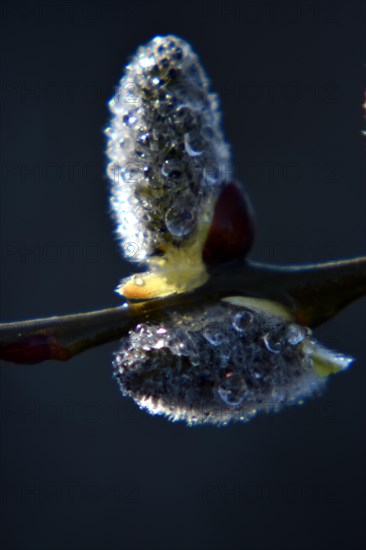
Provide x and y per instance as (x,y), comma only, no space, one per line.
(232,228)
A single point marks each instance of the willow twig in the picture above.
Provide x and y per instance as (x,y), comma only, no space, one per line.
(313,293)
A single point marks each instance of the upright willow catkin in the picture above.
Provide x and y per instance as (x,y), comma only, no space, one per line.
(168,156)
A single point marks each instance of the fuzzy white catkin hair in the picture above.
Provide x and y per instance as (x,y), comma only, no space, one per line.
(168,157)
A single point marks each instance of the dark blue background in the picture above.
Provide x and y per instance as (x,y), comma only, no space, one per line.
(82,468)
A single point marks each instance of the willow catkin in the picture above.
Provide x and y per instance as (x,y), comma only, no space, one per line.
(168,157)
(227,361)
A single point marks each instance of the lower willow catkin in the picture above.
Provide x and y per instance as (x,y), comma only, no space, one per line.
(227,362)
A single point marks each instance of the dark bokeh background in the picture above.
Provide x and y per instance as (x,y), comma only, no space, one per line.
(82,468)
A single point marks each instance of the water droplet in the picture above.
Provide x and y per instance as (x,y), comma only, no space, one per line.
(273,342)
(180,220)
(144,139)
(242,320)
(295,334)
(193,143)
(129,119)
(159,344)
(232,389)
(214,334)
(118,360)
(188,348)
(115,106)
(172,169)
(144,328)
(138,280)
(146,62)
(185,116)
(147,173)
(211,174)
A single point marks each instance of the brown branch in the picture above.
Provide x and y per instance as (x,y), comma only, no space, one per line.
(314,293)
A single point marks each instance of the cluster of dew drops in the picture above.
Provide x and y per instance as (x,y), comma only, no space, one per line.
(233,389)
